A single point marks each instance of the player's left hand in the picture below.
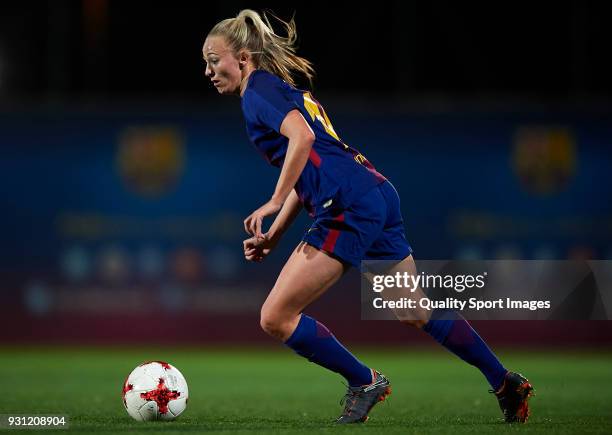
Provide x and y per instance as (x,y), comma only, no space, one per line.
(253,223)
(257,249)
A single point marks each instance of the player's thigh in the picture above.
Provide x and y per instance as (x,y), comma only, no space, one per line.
(307,274)
(417,316)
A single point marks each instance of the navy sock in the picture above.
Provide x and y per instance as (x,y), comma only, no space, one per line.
(453,332)
(313,341)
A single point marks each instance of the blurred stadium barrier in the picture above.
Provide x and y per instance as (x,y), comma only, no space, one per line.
(124,226)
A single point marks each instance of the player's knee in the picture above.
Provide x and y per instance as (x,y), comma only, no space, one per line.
(417,323)
(272,324)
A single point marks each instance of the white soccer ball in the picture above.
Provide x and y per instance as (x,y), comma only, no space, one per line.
(155,390)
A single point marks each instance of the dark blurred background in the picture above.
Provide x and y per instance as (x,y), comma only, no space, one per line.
(125,177)
(71,49)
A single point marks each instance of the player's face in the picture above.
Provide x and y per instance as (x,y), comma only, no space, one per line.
(222,66)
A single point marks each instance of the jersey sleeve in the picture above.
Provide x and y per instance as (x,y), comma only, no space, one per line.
(269,105)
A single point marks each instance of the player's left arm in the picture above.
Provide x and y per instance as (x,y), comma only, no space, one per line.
(301,137)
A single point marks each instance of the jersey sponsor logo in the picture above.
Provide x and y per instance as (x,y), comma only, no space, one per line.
(360,158)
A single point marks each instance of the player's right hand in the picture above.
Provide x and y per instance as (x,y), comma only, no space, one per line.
(258,248)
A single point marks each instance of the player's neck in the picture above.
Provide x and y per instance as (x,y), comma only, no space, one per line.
(245,79)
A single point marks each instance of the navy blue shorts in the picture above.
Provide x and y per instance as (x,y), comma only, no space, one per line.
(371,228)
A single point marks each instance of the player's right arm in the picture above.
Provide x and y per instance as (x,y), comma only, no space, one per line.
(256,249)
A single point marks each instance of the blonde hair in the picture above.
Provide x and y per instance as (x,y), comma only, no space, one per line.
(269,51)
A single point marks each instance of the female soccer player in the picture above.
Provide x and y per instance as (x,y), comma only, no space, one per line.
(355,209)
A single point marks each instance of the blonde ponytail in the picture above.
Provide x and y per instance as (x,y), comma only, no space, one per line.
(269,51)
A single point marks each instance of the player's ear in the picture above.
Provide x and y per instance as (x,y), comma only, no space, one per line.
(243,58)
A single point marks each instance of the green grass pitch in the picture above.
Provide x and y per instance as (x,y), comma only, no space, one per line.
(272,390)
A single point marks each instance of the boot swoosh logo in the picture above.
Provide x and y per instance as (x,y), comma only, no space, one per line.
(377,384)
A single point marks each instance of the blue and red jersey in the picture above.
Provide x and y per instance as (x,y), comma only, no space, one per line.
(335,174)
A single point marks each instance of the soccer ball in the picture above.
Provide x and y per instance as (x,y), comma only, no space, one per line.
(155,390)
